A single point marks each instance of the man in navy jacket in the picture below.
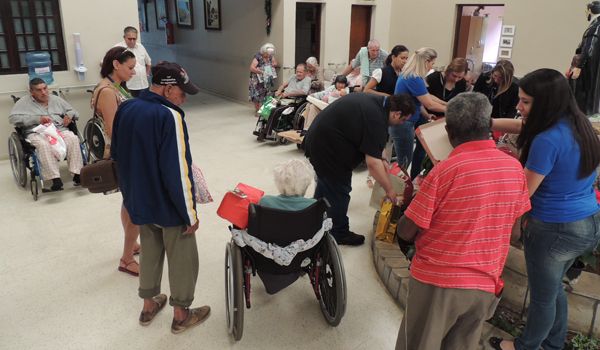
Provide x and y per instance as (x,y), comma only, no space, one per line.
(150,145)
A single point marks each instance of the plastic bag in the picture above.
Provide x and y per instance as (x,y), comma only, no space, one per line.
(202,194)
(54,137)
(265,110)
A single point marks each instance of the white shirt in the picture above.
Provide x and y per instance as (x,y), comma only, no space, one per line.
(377,73)
(140,80)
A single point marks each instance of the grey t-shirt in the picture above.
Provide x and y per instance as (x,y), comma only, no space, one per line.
(27,112)
(298,85)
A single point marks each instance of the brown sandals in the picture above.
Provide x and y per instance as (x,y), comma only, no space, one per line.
(124,267)
(147,316)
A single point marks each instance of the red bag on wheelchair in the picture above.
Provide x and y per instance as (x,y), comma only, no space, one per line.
(234,206)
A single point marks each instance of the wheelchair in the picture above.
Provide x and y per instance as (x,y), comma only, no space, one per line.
(23,158)
(322,263)
(94,136)
(282,118)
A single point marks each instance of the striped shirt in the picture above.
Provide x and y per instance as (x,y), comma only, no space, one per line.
(465,209)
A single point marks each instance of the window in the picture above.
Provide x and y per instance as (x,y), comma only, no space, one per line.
(30,25)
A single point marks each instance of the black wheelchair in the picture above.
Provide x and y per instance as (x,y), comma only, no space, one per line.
(95,136)
(285,116)
(23,158)
(322,262)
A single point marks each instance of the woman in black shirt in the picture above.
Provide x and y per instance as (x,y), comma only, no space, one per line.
(383,81)
(449,83)
(501,89)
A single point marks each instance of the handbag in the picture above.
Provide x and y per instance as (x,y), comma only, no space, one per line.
(100,177)
(234,206)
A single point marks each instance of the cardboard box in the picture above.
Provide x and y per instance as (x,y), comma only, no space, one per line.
(434,138)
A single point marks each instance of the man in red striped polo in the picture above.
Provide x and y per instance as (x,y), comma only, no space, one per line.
(461,222)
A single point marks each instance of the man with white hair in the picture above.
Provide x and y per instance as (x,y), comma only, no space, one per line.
(143,63)
(462,218)
(368,59)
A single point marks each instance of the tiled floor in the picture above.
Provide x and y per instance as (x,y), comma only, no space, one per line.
(60,288)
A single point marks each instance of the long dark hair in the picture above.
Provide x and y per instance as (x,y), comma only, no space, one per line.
(398,49)
(118,53)
(553,100)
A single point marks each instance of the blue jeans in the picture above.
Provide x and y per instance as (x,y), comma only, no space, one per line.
(403,136)
(337,193)
(550,249)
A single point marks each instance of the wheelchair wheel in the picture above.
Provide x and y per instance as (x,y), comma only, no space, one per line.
(332,282)
(298,122)
(17,160)
(95,138)
(34,188)
(234,290)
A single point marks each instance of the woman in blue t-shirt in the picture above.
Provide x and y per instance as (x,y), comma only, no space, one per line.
(560,152)
(411,81)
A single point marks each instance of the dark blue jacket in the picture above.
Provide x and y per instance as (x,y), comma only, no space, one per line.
(150,145)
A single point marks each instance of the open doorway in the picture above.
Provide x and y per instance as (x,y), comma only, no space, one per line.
(360,28)
(308,31)
(477,36)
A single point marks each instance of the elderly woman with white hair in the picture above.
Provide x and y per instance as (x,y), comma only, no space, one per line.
(292,179)
(262,74)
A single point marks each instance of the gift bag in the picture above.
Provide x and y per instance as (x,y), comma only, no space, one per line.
(234,206)
(202,194)
(58,145)
(402,184)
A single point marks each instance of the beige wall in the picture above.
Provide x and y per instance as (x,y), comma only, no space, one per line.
(101,26)
(335,29)
(546,34)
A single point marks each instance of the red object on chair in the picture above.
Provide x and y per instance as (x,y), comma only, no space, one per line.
(234,206)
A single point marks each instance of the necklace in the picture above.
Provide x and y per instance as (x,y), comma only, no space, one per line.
(119,88)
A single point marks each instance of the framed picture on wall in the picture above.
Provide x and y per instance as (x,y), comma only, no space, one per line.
(506,41)
(504,53)
(212,14)
(508,30)
(162,13)
(142,16)
(185,13)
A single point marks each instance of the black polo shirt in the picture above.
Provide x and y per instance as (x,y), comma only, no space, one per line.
(348,129)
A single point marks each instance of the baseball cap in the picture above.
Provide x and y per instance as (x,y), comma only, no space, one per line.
(170,73)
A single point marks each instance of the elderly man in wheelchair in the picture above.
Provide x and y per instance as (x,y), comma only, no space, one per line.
(43,108)
(289,98)
(287,237)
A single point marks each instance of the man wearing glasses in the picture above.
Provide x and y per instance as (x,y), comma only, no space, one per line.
(143,63)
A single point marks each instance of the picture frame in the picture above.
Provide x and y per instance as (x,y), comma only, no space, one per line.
(142,16)
(506,41)
(212,14)
(504,53)
(508,30)
(185,13)
(161,9)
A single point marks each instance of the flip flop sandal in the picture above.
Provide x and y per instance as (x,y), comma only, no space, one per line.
(137,251)
(127,264)
(147,316)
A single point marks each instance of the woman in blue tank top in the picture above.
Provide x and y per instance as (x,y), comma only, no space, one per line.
(560,152)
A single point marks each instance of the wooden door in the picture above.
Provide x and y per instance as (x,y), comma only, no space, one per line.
(308,31)
(468,43)
(360,29)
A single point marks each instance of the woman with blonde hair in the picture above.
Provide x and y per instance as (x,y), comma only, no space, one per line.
(411,81)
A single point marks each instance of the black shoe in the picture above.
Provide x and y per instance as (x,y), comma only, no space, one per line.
(350,238)
(76,180)
(57,184)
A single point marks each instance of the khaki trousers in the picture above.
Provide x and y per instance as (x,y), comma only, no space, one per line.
(182,256)
(444,318)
